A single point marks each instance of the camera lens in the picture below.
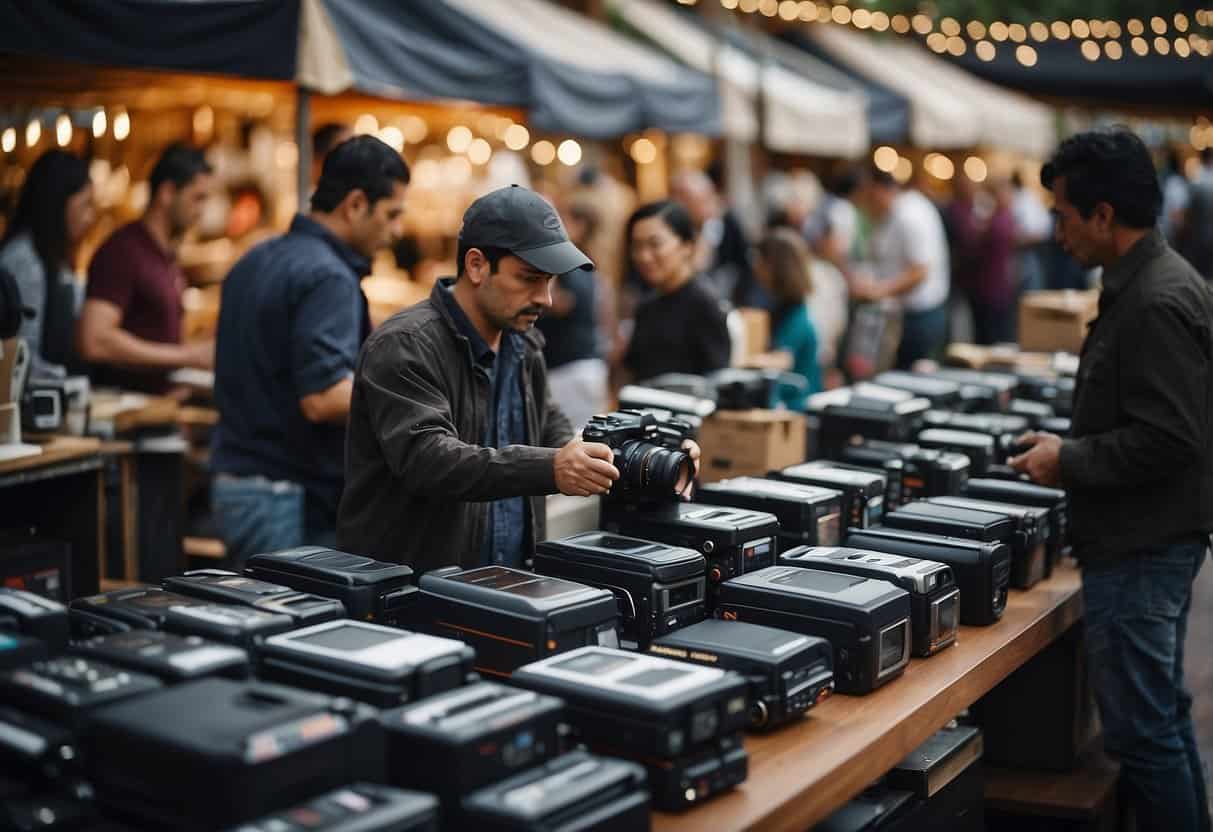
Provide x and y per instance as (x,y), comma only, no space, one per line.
(648,470)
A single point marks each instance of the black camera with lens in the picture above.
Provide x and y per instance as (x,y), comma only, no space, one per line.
(653,467)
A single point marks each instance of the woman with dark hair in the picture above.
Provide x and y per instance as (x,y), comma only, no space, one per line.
(54,212)
(783,268)
(681,327)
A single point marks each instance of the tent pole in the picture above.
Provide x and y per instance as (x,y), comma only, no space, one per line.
(303,140)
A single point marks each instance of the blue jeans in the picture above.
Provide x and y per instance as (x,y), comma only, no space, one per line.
(255,515)
(923,335)
(1137,620)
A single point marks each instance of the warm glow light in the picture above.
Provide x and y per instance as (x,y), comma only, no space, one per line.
(975,169)
(1113,50)
(998,30)
(643,151)
(1060,29)
(880,21)
(985,50)
(392,137)
(1158,25)
(956,46)
(729,4)
(939,166)
(769,8)
(569,152)
(1162,46)
(63,129)
(8,141)
(99,124)
(922,24)
(901,24)
(949,26)
(885,158)
(122,125)
(1182,49)
(1026,55)
(517,137)
(808,11)
(366,123)
(904,170)
(841,14)
(459,138)
(937,42)
(1135,27)
(861,19)
(543,152)
(1181,22)
(479,152)
(1140,46)
(1114,29)
(976,29)
(1099,29)
(789,10)
(1090,50)
(1039,32)
(749,6)
(1017,32)
(33,133)
(414,129)
(1080,28)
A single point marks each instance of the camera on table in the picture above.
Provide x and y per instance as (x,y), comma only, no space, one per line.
(648,453)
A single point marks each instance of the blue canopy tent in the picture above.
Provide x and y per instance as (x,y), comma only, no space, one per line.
(589,81)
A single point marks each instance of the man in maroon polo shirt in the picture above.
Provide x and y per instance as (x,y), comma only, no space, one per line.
(130,328)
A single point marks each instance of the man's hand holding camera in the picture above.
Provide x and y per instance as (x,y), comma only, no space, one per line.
(584,469)
(1042,459)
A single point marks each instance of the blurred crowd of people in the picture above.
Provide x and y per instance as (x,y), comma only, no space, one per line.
(855,275)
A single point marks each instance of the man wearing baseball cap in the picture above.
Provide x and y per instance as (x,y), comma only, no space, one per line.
(453,440)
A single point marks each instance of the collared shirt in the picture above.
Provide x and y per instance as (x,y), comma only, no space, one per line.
(291,322)
(505,426)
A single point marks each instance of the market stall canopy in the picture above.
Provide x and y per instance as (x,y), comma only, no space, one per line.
(1151,81)
(888,111)
(571,74)
(949,107)
(801,115)
(231,37)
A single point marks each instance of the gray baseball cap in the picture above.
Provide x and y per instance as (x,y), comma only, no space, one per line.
(525,224)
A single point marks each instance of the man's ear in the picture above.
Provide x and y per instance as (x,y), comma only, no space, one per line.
(1106,214)
(354,206)
(476,266)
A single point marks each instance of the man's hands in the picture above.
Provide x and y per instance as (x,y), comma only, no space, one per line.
(1042,462)
(692,449)
(867,289)
(584,469)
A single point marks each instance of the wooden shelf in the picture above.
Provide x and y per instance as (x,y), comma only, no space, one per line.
(1080,794)
(799,775)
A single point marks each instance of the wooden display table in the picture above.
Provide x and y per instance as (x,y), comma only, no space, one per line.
(799,775)
(60,494)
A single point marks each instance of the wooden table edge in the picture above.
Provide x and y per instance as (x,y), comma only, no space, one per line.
(877,747)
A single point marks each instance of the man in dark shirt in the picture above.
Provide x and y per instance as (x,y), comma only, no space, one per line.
(1138,468)
(130,327)
(454,440)
(291,322)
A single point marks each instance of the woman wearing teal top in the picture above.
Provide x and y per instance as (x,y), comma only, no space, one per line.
(782,266)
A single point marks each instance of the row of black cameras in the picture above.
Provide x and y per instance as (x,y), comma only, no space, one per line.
(682,721)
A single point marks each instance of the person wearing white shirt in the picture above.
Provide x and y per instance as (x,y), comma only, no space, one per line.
(908,249)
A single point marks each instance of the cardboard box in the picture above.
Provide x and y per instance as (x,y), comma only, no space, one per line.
(757,324)
(738,443)
(1052,321)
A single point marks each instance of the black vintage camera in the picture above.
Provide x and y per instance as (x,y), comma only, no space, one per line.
(648,453)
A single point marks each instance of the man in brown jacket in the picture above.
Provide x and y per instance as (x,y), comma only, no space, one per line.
(453,439)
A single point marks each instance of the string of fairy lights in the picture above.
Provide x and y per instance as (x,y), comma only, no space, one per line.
(1112,40)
